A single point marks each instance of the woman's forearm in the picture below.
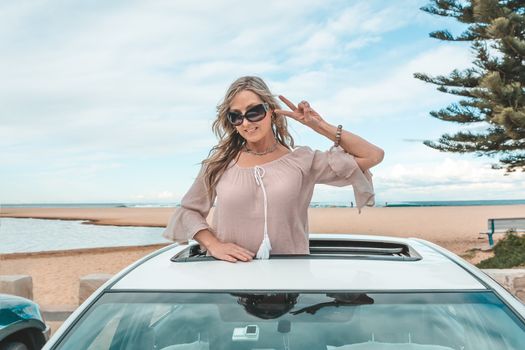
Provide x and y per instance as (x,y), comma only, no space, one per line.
(205,238)
(353,144)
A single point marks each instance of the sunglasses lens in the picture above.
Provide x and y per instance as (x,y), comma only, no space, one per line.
(256,113)
(235,118)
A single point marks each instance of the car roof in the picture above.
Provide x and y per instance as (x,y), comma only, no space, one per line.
(426,269)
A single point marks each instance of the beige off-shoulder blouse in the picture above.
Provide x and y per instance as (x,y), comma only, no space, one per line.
(283,187)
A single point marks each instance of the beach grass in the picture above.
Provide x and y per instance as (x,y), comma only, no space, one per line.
(508,252)
(469,254)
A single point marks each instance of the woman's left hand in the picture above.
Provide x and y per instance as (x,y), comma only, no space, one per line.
(303,113)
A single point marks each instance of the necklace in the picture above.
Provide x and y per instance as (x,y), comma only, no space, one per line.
(268,150)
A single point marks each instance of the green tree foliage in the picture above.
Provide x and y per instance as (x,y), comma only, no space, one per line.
(493,91)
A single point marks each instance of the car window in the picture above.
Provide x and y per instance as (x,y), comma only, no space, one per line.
(418,321)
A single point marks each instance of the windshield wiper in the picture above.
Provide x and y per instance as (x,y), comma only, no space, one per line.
(340,299)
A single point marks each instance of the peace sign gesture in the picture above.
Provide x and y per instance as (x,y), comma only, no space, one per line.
(302,113)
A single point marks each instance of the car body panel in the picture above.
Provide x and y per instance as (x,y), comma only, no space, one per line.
(434,272)
(15,309)
(18,314)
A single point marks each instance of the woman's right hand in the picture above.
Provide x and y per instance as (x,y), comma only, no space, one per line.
(223,251)
(229,252)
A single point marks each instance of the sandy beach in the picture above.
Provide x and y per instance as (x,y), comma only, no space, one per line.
(56,274)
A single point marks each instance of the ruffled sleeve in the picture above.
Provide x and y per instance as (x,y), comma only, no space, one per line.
(338,168)
(190,218)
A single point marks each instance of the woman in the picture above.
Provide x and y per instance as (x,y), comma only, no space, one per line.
(262,186)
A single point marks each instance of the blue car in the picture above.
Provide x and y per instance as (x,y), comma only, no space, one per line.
(22,326)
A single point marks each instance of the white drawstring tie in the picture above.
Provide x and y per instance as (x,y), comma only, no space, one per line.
(265,247)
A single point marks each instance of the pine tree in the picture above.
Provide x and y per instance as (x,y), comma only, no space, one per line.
(493,90)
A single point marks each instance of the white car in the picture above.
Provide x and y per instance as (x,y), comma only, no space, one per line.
(352,292)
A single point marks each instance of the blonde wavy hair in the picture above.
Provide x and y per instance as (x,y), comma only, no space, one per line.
(230,142)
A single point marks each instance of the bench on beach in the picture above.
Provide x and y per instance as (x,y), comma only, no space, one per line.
(502,225)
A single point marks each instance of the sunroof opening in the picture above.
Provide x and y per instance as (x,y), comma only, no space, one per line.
(321,248)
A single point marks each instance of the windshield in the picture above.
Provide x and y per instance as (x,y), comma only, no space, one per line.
(346,321)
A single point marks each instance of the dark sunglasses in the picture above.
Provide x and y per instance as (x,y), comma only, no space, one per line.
(254,114)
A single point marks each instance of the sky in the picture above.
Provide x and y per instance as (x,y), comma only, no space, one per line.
(113,101)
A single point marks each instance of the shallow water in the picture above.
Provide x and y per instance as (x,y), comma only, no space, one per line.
(32,235)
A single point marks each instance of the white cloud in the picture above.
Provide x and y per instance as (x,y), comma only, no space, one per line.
(397,91)
(356,26)
(441,178)
(87,88)
(146,77)
(444,177)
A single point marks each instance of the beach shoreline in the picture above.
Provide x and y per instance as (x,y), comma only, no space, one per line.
(144,217)
(403,219)
(56,274)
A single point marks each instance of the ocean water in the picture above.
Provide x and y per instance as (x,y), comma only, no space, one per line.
(454,203)
(89,205)
(346,204)
(33,235)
